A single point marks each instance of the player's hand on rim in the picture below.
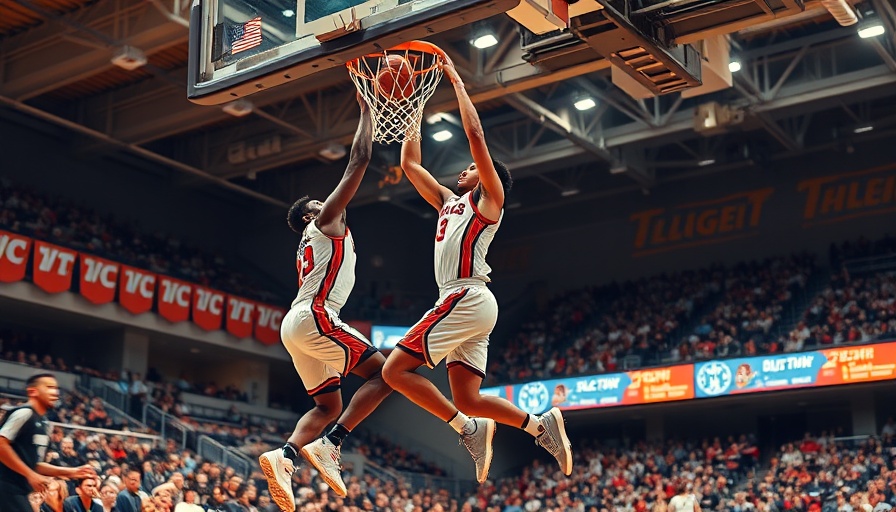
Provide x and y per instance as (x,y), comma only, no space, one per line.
(447,66)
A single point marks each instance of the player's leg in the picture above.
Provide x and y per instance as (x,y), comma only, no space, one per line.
(548,429)
(466,369)
(417,349)
(400,373)
(300,338)
(370,395)
(348,350)
(441,330)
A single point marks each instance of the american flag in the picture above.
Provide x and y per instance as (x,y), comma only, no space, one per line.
(246,36)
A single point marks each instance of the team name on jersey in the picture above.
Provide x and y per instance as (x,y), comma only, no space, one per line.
(454,209)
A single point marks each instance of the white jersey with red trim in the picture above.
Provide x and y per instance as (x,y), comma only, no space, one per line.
(326,266)
(463,235)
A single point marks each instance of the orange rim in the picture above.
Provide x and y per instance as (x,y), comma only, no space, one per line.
(416,46)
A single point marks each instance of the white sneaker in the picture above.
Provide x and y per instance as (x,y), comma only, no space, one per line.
(479,444)
(278,472)
(554,439)
(327,459)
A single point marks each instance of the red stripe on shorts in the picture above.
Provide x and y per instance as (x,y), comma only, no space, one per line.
(329,382)
(416,339)
(353,346)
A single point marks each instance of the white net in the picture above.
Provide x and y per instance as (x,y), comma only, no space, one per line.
(396,84)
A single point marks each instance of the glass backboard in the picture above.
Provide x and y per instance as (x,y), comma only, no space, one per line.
(238,47)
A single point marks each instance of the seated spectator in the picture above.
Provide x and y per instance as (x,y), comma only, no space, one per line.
(83,500)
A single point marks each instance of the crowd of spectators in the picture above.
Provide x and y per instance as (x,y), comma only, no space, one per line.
(713,313)
(63,222)
(649,321)
(742,323)
(851,309)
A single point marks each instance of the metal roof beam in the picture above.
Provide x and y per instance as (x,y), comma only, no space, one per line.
(26,56)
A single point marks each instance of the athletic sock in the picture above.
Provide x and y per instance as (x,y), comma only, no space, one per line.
(338,434)
(532,426)
(459,421)
(291,452)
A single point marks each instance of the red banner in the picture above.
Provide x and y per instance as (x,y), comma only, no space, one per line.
(136,288)
(53,267)
(240,314)
(98,278)
(267,324)
(174,299)
(208,308)
(14,250)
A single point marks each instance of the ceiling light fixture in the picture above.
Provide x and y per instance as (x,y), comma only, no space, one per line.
(442,135)
(706,161)
(484,41)
(734,66)
(585,104)
(871,30)
(863,129)
(289,13)
(567,192)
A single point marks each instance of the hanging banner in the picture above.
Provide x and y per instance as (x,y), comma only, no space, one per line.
(14,251)
(98,278)
(267,323)
(174,299)
(240,314)
(136,289)
(208,308)
(53,267)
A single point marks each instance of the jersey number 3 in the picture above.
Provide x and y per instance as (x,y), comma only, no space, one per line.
(307,263)
(441,234)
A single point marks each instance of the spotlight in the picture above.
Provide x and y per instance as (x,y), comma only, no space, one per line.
(484,41)
(734,66)
(585,104)
(871,30)
(442,135)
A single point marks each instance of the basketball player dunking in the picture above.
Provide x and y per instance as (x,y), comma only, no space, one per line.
(459,325)
(323,348)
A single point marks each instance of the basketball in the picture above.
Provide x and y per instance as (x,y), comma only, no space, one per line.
(395,80)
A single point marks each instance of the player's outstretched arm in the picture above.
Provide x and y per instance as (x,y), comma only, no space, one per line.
(493,191)
(359,159)
(434,192)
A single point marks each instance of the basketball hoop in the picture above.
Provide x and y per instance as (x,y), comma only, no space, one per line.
(398,112)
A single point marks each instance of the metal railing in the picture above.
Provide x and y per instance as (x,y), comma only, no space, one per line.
(211,450)
(168,426)
(109,392)
(220,415)
(124,418)
(871,264)
(10,384)
(362,464)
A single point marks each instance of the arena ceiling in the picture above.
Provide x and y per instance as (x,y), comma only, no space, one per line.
(806,84)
